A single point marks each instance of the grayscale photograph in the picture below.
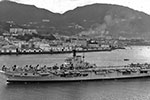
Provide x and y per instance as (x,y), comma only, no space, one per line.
(74,50)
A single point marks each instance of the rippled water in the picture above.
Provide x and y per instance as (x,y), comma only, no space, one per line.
(128,89)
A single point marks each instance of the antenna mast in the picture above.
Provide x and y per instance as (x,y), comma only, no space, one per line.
(83,56)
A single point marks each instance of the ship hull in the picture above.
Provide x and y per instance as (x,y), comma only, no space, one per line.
(71,79)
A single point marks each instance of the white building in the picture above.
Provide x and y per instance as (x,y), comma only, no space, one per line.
(22,31)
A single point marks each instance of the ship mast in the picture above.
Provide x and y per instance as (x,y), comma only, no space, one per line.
(74,53)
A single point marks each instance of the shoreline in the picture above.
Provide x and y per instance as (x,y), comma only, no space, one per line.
(50,52)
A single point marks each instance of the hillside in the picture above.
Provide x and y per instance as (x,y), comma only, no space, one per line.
(114,20)
(93,20)
(20,13)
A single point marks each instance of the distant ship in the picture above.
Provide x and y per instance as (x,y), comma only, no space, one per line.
(73,69)
(126,59)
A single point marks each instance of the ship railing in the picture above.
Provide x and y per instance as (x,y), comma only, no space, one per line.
(25,69)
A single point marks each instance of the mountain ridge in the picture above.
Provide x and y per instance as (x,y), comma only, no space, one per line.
(96,20)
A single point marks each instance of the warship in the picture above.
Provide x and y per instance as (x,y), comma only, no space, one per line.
(73,69)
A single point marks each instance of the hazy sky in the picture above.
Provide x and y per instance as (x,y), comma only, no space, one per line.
(61,6)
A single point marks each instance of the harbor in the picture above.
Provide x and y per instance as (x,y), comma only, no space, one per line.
(73,68)
(113,89)
(135,54)
(74,50)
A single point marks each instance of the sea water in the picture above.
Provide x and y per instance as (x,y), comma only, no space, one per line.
(127,89)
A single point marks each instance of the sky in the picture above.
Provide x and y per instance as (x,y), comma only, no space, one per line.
(61,6)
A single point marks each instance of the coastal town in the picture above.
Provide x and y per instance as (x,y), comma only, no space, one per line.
(27,40)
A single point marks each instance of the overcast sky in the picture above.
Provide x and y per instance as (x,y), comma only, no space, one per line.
(61,6)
